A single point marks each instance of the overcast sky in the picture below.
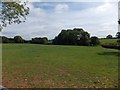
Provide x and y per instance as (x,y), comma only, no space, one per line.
(47,19)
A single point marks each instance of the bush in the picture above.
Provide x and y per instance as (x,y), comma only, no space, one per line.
(77,36)
(18,39)
(109,36)
(36,40)
(94,41)
(111,46)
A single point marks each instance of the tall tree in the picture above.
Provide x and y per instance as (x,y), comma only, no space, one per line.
(77,36)
(118,34)
(94,41)
(119,21)
(18,39)
(39,40)
(109,36)
(12,12)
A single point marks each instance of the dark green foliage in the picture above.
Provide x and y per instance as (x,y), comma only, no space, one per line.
(118,34)
(12,12)
(109,36)
(18,39)
(27,41)
(94,41)
(77,36)
(111,46)
(119,21)
(110,43)
(0,39)
(11,40)
(118,42)
(5,39)
(49,42)
(36,40)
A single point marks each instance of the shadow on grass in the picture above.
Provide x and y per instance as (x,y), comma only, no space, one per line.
(110,53)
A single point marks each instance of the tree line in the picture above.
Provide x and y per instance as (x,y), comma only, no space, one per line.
(19,39)
(76,36)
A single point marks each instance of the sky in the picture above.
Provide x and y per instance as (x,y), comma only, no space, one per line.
(47,19)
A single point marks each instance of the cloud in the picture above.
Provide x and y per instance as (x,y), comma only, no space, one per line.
(98,21)
(61,8)
(34,0)
(35,11)
(75,0)
(62,0)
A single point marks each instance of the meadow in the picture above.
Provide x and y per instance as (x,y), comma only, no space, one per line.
(106,41)
(51,66)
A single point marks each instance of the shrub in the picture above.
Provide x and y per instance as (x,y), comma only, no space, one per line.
(94,41)
(111,46)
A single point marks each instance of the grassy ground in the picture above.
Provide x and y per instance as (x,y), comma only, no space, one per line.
(106,41)
(28,65)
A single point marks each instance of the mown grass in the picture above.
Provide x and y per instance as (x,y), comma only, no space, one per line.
(40,66)
(107,41)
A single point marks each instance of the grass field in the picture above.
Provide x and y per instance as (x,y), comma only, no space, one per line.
(106,41)
(29,65)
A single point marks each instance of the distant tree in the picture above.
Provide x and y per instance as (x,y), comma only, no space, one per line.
(0,39)
(18,39)
(119,21)
(118,41)
(77,36)
(39,40)
(27,41)
(35,41)
(94,41)
(5,39)
(11,40)
(118,34)
(12,12)
(44,40)
(109,36)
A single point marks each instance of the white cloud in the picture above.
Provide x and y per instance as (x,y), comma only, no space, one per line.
(35,11)
(34,0)
(62,0)
(61,8)
(79,0)
(99,21)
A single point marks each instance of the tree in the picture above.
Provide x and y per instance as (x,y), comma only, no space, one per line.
(11,40)
(118,34)
(44,40)
(118,41)
(109,36)
(0,39)
(77,36)
(94,41)
(18,39)
(39,40)
(12,12)
(5,39)
(119,21)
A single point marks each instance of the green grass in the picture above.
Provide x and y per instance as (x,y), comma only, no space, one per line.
(106,41)
(29,65)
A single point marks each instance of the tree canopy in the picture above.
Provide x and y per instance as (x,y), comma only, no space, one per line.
(12,12)
(18,39)
(94,41)
(77,36)
(118,34)
(119,21)
(109,36)
(39,40)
